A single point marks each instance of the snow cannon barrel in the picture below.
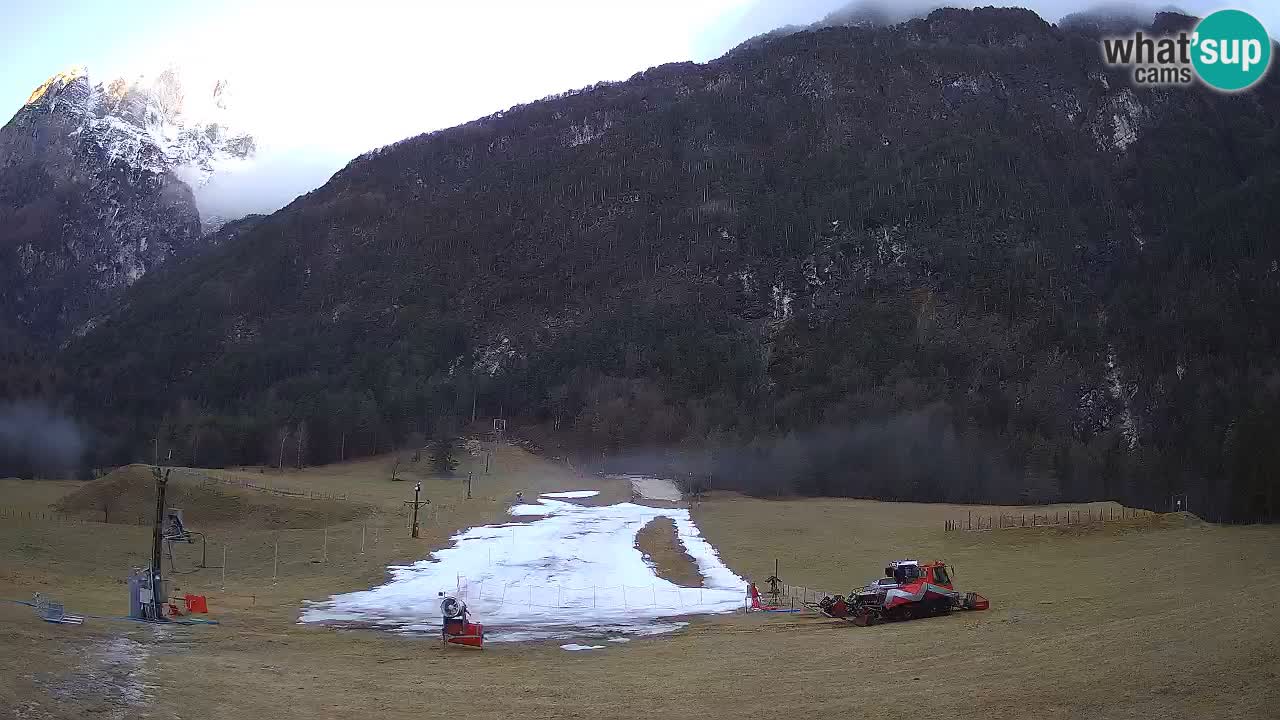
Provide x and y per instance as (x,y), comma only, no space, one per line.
(456,628)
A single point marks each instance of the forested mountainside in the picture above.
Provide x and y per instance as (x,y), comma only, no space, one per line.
(953,259)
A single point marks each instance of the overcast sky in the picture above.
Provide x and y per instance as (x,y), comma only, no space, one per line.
(321,82)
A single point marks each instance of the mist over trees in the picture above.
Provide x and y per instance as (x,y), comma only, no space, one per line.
(919,262)
(38,441)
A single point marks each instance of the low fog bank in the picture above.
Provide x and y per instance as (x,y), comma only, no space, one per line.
(37,442)
(918,456)
(767,19)
(272,180)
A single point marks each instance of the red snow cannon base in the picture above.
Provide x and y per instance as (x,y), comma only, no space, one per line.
(458,631)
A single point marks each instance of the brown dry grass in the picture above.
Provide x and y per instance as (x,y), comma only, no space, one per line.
(34,495)
(1113,622)
(127,495)
(368,480)
(660,543)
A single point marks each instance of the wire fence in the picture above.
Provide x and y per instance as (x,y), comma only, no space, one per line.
(618,597)
(794,596)
(283,491)
(1058,518)
(263,559)
(244,567)
(625,597)
(52,516)
(245,558)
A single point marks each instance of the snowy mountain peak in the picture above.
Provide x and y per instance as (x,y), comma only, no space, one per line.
(57,83)
(100,183)
(158,124)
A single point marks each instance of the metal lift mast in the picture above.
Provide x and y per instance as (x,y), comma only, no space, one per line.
(157,546)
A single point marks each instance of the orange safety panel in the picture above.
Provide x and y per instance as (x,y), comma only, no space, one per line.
(196,603)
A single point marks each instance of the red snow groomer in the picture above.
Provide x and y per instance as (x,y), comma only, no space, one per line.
(909,590)
(457,629)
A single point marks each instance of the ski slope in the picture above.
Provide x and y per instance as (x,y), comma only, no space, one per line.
(573,572)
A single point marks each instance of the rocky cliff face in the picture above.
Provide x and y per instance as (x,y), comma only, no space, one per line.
(95,191)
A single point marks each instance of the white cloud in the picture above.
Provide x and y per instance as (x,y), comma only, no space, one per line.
(319,83)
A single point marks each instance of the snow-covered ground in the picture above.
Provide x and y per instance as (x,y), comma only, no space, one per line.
(546,509)
(571,494)
(651,488)
(572,573)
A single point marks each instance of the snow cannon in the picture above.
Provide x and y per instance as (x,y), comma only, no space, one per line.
(457,629)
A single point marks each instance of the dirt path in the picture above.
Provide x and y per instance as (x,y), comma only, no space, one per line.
(662,548)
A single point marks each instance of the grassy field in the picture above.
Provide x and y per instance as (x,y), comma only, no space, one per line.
(1161,617)
(37,495)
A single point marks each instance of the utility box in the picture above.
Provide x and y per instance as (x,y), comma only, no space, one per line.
(141,596)
(137,584)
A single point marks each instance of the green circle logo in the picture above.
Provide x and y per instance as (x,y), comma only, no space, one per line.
(1231,50)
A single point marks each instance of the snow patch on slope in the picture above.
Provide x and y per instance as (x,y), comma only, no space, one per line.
(1119,391)
(571,494)
(1119,120)
(167,123)
(574,573)
(651,488)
